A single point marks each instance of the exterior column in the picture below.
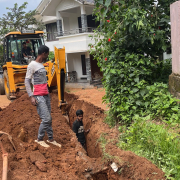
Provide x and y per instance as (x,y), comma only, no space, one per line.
(84,19)
(67,68)
(59,24)
(174,78)
(88,67)
(59,27)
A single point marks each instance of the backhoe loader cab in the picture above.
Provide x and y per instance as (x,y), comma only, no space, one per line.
(13,46)
(16,59)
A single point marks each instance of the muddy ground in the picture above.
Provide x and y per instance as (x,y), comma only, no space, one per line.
(4,101)
(32,162)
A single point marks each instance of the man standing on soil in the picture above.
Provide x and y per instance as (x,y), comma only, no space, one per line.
(78,128)
(36,74)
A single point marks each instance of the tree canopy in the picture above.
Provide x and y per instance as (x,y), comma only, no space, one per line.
(136,33)
(17,19)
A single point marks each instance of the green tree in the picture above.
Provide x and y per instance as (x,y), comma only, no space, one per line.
(17,19)
(1,54)
(135,35)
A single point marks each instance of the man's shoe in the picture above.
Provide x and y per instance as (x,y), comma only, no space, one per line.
(42,143)
(54,143)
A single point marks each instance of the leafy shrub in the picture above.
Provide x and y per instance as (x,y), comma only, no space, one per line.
(135,35)
(51,55)
(164,70)
(156,142)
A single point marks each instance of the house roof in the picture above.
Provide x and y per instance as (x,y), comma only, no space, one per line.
(90,2)
(46,7)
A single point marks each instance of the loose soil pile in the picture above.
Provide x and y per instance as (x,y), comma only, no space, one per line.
(33,162)
(4,101)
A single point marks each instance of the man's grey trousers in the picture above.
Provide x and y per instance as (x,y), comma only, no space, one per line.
(44,111)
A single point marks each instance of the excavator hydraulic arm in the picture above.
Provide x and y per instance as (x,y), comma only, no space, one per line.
(56,76)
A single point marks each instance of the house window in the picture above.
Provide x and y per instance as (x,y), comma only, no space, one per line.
(91,23)
(83,61)
(51,31)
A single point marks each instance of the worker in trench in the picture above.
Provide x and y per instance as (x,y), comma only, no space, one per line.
(40,97)
(78,128)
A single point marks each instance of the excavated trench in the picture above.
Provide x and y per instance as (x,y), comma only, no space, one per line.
(91,116)
(71,162)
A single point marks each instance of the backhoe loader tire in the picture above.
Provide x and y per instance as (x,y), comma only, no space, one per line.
(2,91)
(6,84)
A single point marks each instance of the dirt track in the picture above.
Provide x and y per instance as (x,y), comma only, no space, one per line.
(93,96)
(32,162)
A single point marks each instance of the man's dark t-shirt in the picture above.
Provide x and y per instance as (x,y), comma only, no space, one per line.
(78,128)
(27,51)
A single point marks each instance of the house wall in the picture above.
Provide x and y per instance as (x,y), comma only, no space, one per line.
(51,44)
(49,19)
(76,43)
(89,10)
(73,20)
(66,24)
(74,64)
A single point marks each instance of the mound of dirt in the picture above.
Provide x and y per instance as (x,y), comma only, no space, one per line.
(31,161)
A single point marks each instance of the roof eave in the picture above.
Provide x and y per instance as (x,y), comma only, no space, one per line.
(85,3)
(79,2)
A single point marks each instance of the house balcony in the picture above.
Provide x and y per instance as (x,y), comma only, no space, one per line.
(76,40)
(77,31)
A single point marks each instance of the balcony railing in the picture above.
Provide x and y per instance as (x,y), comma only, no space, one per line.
(51,36)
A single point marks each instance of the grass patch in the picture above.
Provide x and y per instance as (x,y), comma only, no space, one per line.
(101,89)
(103,142)
(157,142)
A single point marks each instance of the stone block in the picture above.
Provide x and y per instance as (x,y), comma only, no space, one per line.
(174,85)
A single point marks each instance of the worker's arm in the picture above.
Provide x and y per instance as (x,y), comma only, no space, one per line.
(24,55)
(29,91)
(75,128)
(28,87)
(28,78)
(30,50)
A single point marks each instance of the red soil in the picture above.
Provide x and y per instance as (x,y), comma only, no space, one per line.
(93,96)
(33,162)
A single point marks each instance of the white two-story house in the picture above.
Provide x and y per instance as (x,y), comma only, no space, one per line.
(69,24)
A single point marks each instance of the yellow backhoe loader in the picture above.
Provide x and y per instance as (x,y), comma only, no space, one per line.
(16,62)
